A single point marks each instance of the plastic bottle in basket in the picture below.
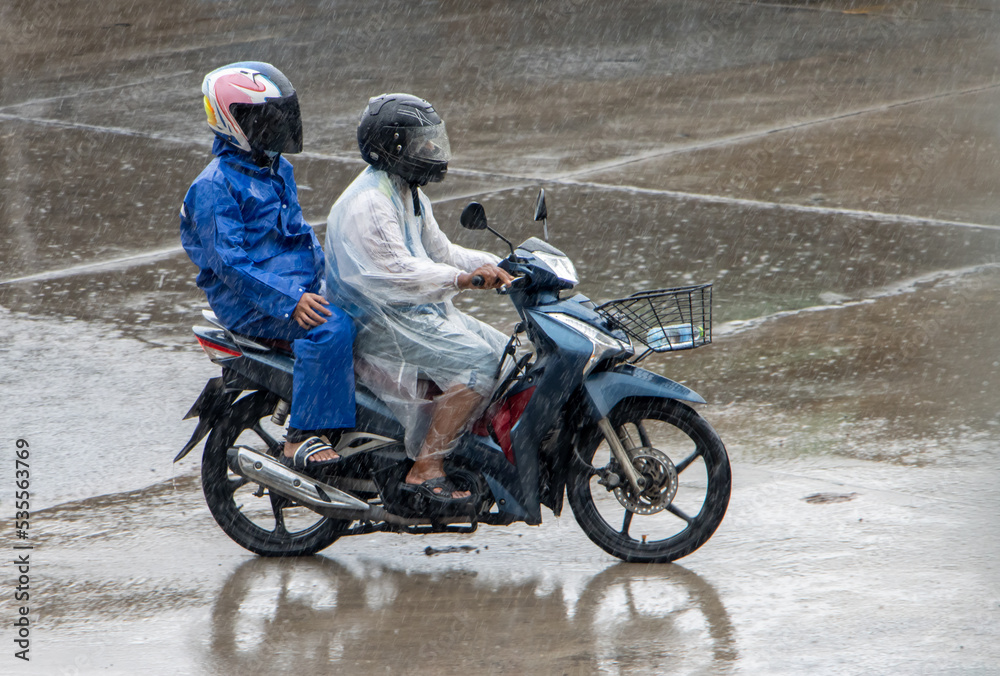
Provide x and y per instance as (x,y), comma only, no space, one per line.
(674,337)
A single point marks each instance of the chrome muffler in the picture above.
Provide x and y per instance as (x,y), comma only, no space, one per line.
(317,496)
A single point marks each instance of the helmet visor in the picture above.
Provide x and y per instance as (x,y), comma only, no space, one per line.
(275,125)
(428,143)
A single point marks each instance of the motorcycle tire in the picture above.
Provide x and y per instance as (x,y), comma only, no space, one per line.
(597,508)
(231,512)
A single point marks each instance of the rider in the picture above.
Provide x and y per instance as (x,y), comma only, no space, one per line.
(391,267)
(261,263)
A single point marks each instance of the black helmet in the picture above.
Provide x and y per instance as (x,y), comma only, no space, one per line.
(402,135)
(253,106)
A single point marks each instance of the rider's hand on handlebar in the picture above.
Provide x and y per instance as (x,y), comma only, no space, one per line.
(493,278)
(307,312)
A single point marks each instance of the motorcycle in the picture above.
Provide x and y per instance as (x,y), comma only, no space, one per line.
(572,416)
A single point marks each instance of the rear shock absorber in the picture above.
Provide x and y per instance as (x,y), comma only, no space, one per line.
(280,414)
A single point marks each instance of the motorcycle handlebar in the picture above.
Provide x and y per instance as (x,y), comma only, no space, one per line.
(515,283)
(478,281)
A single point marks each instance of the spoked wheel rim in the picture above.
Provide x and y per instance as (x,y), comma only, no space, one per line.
(686,471)
(272,513)
(663,479)
(265,523)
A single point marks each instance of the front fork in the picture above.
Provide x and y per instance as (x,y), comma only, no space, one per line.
(621,455)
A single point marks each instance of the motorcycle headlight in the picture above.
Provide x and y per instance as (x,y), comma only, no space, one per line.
(605,345)
(561,265)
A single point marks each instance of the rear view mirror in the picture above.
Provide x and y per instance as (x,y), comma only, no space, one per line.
(473,216)
(541,213)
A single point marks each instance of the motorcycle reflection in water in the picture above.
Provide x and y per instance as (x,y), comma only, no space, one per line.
(647,478)
(309,615)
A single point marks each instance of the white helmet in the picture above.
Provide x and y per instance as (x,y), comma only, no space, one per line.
(253,106)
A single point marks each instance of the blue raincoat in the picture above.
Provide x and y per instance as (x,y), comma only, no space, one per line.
(242,225)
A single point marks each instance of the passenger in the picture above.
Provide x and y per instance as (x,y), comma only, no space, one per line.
(261,263)
(391,267)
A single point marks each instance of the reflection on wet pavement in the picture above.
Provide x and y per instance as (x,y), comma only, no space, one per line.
(308,616)
(489,603)
(146,579)
(829,165)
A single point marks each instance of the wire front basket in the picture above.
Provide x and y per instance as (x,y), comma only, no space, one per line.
(664,320)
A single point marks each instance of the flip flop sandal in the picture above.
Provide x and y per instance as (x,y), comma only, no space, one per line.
(301,462)
(436,499)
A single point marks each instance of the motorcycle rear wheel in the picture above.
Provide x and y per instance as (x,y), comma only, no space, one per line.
(254,519)
(673,523)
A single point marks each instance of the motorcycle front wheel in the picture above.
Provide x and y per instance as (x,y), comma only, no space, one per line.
(268,525)
(687,482)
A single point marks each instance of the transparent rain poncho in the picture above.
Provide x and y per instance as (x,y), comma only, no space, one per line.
(395,272)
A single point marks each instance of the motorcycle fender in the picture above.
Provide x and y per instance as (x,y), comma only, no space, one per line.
(212,401)
(607,388)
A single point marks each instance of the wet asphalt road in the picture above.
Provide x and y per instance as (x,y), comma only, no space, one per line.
(831,166)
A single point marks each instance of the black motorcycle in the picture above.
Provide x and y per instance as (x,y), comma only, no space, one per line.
(647,478)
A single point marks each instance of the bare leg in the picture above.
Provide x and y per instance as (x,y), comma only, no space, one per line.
(451,411)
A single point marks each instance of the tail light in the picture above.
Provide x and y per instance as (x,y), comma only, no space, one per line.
(500,419)
(215,351)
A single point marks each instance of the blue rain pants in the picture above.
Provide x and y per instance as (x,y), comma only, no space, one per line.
(323,376)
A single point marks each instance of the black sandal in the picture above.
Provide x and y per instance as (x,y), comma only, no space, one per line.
(436,499)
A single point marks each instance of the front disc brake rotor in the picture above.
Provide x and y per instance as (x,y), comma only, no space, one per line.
(661,483)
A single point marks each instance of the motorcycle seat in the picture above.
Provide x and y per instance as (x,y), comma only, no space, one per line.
(273,343)
(427,389)
(248,341)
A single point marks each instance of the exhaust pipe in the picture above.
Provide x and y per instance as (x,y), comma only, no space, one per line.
(309,492)
(316,495)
